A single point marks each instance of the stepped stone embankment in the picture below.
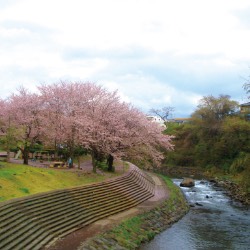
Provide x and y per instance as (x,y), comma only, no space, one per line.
(39,220)
(133,232)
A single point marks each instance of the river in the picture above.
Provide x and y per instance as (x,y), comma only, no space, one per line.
(214,223)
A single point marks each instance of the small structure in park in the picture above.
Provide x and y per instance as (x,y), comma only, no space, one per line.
(156,119)
(3,154)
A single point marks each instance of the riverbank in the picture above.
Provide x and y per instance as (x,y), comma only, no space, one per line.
(132,232)
(213,222)
(231,184)
(233,190)
(237,189)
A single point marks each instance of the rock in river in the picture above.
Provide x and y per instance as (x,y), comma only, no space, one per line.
(187,182)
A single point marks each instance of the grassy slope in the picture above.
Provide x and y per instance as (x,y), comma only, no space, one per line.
(19,180)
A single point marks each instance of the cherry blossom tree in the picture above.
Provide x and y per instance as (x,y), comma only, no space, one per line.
(56,118)
(88,115)
(119,128)
(22,112)
(6,139)
(148,140)
(68,111)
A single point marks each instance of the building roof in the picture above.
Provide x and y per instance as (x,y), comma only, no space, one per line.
(245,104)
(182,119)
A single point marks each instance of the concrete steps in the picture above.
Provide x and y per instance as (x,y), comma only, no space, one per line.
(36,221)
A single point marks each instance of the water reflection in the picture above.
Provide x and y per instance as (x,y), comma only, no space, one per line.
(215,223)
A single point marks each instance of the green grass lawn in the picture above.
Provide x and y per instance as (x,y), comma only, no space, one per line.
(18,180)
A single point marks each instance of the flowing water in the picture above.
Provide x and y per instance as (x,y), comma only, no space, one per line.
(215,222)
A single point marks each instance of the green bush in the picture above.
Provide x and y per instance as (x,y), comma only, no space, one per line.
(102,165)
(245,180)
(241,163)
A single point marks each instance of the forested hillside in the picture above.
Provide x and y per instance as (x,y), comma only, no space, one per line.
(216,139)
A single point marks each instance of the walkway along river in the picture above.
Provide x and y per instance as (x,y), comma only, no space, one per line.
(214,222)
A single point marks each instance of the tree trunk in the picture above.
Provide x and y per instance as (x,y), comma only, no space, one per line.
(8,155)
(56,151)
(25,153)
(93,161)
(110,161)
(71,154)
(79,162)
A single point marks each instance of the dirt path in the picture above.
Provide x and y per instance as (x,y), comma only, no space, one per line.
(85,166)
(73,240)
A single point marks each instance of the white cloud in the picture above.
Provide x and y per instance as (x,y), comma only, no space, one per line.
(157,52)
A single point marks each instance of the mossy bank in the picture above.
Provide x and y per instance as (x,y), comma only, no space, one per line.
(133,232)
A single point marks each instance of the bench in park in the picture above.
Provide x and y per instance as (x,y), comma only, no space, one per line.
(58,164)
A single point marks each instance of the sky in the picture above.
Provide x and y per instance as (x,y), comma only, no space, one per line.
(156,53)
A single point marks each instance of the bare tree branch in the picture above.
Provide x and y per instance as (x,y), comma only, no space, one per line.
(163,113)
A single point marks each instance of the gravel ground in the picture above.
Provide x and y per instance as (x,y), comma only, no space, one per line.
(85,166)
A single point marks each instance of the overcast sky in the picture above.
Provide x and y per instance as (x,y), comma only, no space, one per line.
(155,52)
